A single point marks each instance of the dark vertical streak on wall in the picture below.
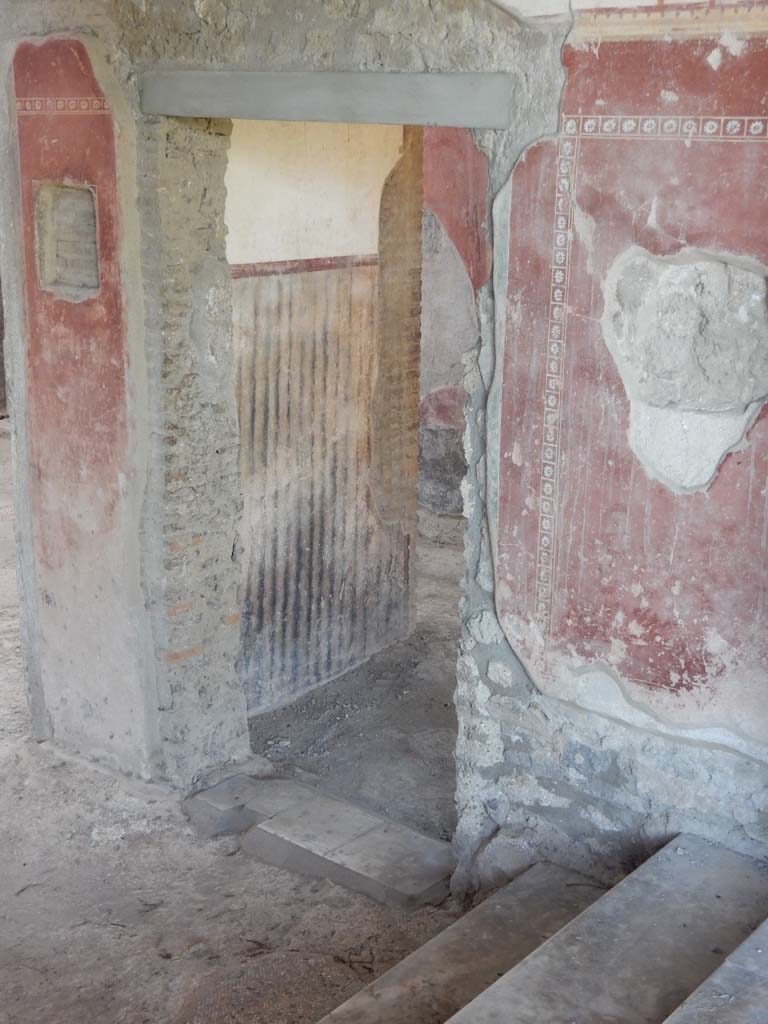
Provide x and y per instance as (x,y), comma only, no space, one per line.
(347,522)
(321,410)
(395,413)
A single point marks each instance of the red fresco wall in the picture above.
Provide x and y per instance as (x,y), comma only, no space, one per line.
(595,560)
(443,409)
(456,191)
(76,350)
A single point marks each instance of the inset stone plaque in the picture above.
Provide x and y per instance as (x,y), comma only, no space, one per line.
(67,241)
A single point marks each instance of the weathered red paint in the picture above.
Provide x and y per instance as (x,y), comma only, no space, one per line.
(75,350)
(595,560)
(456,191)
(443,409)
(304,266)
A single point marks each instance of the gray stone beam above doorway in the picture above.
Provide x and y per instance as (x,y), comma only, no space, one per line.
(460,99)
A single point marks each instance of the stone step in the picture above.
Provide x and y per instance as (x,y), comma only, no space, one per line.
(737,993)
(443,975)
(640,950)
(295,827)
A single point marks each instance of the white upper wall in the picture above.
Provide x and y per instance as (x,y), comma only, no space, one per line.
(300,191)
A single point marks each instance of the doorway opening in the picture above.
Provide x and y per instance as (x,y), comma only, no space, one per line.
(351,463)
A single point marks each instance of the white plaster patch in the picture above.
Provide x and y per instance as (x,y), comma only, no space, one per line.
(689,335)
(586,228)
(618,650)
(732,43)
(732,715)
(485,629)
(684,450)
(653,221)
(715,58)
(501,675)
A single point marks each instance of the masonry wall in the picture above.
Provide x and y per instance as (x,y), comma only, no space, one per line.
(183,493)
(627,458)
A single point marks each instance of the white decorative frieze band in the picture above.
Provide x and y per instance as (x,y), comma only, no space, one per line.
(62,105)
(658,126)
(604,20)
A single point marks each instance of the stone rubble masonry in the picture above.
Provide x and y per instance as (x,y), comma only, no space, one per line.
(193,501)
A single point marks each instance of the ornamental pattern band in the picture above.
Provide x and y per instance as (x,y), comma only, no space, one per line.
(62,105)
(655,126)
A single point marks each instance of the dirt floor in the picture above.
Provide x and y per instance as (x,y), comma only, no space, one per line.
(383,735)
(112,910)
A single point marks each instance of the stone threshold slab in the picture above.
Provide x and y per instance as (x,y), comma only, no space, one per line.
(291,825)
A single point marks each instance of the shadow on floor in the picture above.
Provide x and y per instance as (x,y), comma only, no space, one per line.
(384,734)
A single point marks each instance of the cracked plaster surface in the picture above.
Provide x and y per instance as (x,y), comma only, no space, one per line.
(689,336)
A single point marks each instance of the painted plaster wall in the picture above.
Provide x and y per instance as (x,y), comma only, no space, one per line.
(538,775)
(314,583)
(86,685)
(635,707)
(456,263)
(300,191)
(538,9)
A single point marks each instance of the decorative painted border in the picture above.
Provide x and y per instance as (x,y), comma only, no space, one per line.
(306,266)
(557,325)
(62,105)
(660,126)
(575,128)
(680,21)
